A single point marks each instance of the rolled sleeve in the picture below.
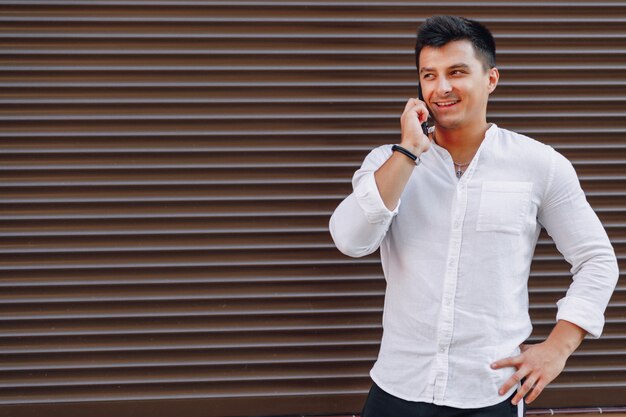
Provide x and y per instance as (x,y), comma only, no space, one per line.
(370,201)
(581,238)
(360,222)
(583,313)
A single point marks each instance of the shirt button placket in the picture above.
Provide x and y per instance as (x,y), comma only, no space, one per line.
(446,320)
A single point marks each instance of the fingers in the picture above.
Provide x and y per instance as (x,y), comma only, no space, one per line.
(418,106)
(537,389)
(513,381)
(507,362)
(411,103)
(531,388)
(528,385)
(539,364)
(422,113)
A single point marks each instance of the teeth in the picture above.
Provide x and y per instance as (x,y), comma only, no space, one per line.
(447,103)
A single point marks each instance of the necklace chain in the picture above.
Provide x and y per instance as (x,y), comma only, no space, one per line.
(459,172)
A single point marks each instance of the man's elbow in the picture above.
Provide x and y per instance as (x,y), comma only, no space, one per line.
(354,252)
(614,267)
(610,265)
(346,245)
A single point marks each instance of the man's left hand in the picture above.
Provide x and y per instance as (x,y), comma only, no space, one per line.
(540,364)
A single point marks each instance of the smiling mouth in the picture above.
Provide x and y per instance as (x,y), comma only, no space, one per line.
(444,104)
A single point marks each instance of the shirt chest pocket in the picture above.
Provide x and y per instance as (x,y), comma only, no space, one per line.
(503,206)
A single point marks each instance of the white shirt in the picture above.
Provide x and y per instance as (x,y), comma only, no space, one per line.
(456,256)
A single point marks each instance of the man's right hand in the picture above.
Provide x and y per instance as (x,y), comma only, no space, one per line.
(394,174)
(413,138)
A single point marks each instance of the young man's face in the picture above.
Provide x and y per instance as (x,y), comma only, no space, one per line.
(455,84)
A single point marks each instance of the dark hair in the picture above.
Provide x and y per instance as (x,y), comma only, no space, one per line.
(437,31)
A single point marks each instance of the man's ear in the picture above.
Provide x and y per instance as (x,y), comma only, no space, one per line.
(494,76)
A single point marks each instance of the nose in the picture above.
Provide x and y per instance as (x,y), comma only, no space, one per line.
(443,86)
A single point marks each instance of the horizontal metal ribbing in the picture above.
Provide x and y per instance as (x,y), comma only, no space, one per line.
(599,130)
(200,346)
(98,265)
(100,215)
(128,394)
(578,410)
(54,184)
(290,36)
(191,378)
(173,395)
(299,19)
(290,52)
(43,150)
(226,165)
(265,101)
(190,232)
(266,344)
(182,361)
(298,84)
(8,334)
(172,215)
(28,318)
(118,166)
(188,328)
(307,4)
(158,182)
(154,279)
(7,318)
(247,197)
(272,68)
(145,292)
(93,248)
(285,117)
(188,264)
(95,297)
(262,230)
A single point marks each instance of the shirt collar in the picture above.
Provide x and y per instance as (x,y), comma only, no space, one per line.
(491,132)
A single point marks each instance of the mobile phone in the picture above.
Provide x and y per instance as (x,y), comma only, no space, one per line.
(421,97)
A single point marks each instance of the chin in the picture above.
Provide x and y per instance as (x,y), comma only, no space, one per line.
(449,124)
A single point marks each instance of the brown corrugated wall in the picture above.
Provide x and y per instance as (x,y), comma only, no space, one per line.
(168,169)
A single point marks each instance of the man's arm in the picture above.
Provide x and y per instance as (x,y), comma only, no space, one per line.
(580,237)
(393,175)
(360,222)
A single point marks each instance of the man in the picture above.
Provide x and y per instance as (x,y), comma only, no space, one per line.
(457,215)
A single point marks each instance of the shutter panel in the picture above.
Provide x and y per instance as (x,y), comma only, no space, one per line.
(168,170)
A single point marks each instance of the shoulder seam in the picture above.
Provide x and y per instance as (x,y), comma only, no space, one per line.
(550,173)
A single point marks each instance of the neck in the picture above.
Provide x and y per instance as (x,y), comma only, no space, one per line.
(462,143)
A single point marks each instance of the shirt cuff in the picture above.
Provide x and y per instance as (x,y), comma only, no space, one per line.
(370,201)
(582,313)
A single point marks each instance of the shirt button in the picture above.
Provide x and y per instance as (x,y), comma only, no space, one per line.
(448,301)
(451,263)
(442,349)
(457,224)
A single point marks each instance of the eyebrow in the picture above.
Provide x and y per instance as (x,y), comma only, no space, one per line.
(455,66)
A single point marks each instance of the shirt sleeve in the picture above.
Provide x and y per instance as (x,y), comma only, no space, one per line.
(581,238)
(360,222)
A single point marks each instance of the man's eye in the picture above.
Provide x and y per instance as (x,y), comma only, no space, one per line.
(457,72)
(427,76)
